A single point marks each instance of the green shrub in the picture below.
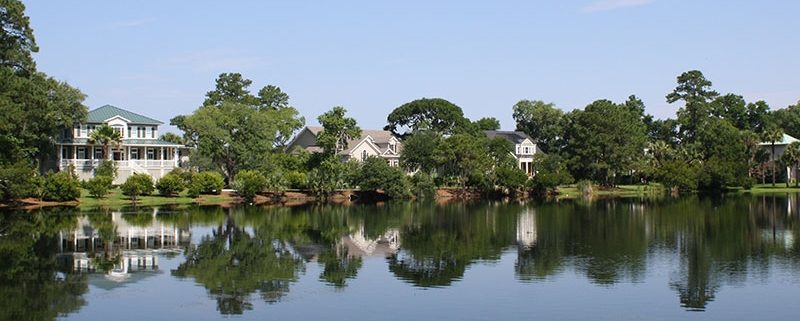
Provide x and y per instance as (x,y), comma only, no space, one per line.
(423,185)
(550,173)
(98,186)
(296,179)
(376,174)
(206,183)
(170,185)
(106,168)
(17,181)
(137,185)
(249,183)
(61,187)
(510,178)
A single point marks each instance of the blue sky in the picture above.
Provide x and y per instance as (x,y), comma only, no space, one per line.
(160,57)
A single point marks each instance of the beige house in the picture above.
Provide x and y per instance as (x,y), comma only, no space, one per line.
(524,148)
(380,143)
(139,152)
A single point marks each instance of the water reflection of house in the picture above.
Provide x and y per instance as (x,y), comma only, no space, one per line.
(359,244)
(132,248)
(526,228)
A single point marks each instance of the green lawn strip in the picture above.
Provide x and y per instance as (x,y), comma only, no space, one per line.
(116,199)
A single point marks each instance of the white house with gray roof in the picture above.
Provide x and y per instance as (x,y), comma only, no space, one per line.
(380,143)
(140,151)
(780,148)
(524,148)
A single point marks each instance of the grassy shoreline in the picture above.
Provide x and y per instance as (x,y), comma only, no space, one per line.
(115,199)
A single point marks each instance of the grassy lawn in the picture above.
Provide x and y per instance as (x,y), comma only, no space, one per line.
(619,190)
(767,188)
(116,199)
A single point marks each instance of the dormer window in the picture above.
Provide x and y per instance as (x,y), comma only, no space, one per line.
(364,155)
(392,147)
(526,150)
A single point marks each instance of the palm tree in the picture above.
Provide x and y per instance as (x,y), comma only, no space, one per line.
(105,135)
(791,157)
(773,135)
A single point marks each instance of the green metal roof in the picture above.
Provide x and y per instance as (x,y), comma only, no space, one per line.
(101,114)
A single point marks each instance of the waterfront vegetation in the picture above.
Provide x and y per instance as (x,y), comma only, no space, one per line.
(711,146)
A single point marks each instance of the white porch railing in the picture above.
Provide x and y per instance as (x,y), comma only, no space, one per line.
(135,165)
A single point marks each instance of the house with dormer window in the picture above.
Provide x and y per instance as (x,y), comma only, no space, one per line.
(524,148)
(379,143)
(139,152)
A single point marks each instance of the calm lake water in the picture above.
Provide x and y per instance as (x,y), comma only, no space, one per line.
(734,258)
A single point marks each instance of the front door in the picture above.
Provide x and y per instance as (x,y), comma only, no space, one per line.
(118,155)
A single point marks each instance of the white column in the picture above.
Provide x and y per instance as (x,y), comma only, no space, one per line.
(175,156)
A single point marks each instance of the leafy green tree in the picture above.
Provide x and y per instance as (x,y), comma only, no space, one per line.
(375,174)
(541,121)
(420,151)
(173,138)
(60,187)
(464,158)
(724,160)
(787,119)
(206,182)
(337,130)
(16,35)
(488,123)
(105,135)
(695,91)
(510,178)
(435,114)
(27,133)
(791,158)
(171,185)
(551,172)
(329,176)
(98,186)
(235,130)
(423,185)
(17,181)
(249,183)
(106,168)
(137,185)
(604,140)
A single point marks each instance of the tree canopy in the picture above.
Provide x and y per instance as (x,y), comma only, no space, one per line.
(433,114)
(541,121)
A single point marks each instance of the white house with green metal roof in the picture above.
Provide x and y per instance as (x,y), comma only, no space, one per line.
(140,151)
(780,148)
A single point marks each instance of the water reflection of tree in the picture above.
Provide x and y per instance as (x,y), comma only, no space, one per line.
(32,285)
(233,263)
(443,240)
(605,240)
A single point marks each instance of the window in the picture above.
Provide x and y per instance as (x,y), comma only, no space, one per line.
(392,147)
(98,153)
(151,153)
(120,130)
(81,153)
(364,155)
(152,132)
(526,150)
(129,132)
(134,153)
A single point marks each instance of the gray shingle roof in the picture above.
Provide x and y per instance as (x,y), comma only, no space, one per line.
(103,113)
(515,137)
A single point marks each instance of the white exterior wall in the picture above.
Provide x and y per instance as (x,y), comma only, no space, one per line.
(364,146)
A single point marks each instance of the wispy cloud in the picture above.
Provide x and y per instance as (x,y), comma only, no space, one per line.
(608,5)
(215,60)
(131,23)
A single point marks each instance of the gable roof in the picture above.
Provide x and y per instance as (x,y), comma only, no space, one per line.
(515,137)
(785,140)
(378,139)
(101,114)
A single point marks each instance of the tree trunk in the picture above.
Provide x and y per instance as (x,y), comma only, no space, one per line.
(773,163)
